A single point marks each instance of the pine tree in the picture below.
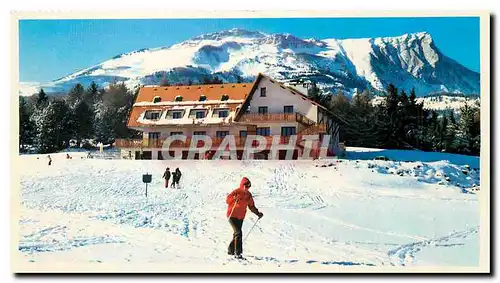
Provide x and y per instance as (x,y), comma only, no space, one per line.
(112,114)
(403,98)
(443,125)
(26,129)
(340,104)
(54,124)
(362,101)
(432,130)
(75,95)
(42,99)
(392,99)
(413,97)
(91,94)
(84,119)
(316,95)
(391,110)
(468,129)
(450,133)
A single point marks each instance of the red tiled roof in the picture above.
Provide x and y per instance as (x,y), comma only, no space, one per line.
(188,93)
(193,92)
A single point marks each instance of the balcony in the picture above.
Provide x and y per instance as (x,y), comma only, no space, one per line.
(314,129)
(276,117)
(269,117)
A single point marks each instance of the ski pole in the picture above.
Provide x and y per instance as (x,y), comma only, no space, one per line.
(251,230)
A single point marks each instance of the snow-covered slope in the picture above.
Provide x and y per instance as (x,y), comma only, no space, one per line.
(392,214)
(410,60)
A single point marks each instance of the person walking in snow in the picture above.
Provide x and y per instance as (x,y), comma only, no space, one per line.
(166,176)
(238,201)
(176,178)
(50,160)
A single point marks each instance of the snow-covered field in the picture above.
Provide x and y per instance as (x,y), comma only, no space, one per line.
(324,214)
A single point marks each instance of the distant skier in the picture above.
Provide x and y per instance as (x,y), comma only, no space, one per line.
(68,156)
(166,176)
(50,160)
(238,201)
(176,178)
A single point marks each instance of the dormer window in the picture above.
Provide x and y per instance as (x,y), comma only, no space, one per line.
(224,97)
(203,98)
(221,113)
(156,99)
(178,98)
(152,115)
(175,114)
(197,113)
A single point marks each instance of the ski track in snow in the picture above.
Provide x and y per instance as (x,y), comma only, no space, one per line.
(406,254)
(344,215)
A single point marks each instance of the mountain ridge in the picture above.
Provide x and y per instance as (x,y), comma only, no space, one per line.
(411,60)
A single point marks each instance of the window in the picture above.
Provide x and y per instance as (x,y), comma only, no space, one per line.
(221,134)
(223,113)
(153,139)
(199,133)
(224,97)
(176,133)
(197,113)
(154,135)
(243,134)
(177,115)
(156,99)
(178,98)
(202,98)
(264,131)
(152,115)
(288,109)
(262,92)
(262,109)
(288,131)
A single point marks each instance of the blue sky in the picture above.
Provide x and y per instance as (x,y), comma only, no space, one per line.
(50,49)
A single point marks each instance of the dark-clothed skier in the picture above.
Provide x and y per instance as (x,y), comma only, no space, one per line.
(238,201)
(166,176)
(50,160)
(176,178)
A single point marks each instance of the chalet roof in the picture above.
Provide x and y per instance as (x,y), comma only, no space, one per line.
(193,92)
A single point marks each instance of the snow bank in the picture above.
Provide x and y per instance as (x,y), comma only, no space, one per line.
(411,155)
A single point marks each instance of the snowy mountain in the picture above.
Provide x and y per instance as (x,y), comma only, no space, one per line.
(410,60)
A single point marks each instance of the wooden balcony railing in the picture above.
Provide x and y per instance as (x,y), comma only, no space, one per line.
(314,129)
(276,117)
(269,117)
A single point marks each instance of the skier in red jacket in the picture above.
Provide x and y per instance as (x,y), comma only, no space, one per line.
(238,201)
